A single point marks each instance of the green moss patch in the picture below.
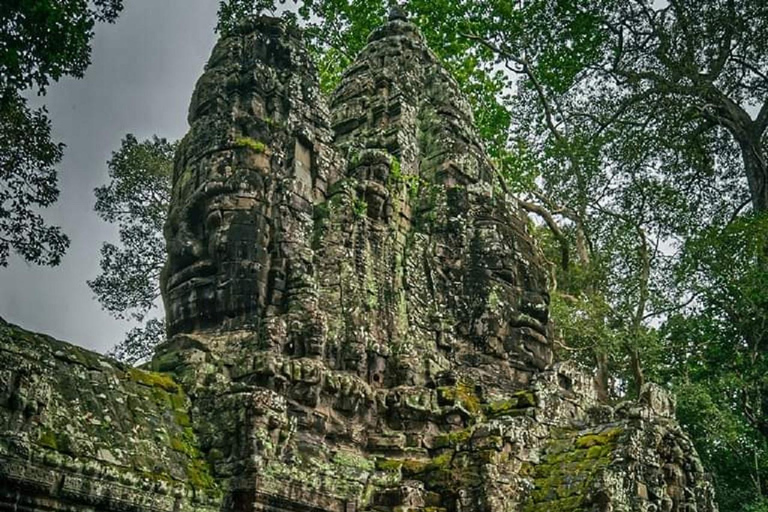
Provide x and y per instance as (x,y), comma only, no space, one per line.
(443,473)
(463,394)
(600,439)
(199,476)
(453,439)
(512,406)
(153,379)
(386,464)
(353,460)
(249,142)
(55,441)
(570,464)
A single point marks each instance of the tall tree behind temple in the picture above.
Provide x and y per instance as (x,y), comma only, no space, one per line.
(717,357)
(136,200)
(40,42)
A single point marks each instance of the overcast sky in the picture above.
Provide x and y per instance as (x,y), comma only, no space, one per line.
(140,81)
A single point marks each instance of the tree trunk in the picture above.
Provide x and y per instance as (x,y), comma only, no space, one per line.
(748,134)
(756,168)
(637,322)
(602,376)
(637,369)
(581,245)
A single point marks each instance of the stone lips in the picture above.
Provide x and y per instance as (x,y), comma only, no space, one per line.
(358,319)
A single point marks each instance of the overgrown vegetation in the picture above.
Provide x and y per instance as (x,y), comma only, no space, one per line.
(136,200)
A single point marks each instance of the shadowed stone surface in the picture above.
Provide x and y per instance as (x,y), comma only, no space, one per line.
(358,320)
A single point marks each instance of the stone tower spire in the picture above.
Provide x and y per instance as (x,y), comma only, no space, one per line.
(255,160)
(443,267)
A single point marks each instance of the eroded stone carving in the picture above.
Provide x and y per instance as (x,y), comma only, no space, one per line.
(358,319)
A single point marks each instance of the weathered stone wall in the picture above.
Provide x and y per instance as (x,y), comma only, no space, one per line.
(358,319)
(79,431)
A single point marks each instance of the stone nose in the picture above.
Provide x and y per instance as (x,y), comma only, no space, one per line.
(184,249)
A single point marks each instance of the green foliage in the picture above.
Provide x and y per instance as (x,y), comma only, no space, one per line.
(40,41)
(28,182)
(232,12)
(396,175)
(729,447)
(136,200)
(716,357)
(139,342)
(360,208)
(582,321)
(44,40)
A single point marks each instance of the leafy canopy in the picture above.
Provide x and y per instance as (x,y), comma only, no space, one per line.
(43,40)
(27,182)
(40,41)
(136,200)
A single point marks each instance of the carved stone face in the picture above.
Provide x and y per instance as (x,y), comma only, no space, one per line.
(440,262)
(418,251)
(218,238)
(512,317)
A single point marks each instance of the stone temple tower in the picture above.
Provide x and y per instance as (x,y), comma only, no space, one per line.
(358,319)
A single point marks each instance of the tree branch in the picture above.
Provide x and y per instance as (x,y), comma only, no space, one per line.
(526,70)
(551,223)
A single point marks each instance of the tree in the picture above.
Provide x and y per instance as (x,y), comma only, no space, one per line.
(717,358)
(44,40)
(27,182)
(703,62)
(136,200)
(40,41)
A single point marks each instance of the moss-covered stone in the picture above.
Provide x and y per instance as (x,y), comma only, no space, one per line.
(89,414)
(512,406)
(387,464)
(251,143)
(154,379)
(463,393)
(570,465)
(199,475)
(452,439)
(353,460)
(598,439)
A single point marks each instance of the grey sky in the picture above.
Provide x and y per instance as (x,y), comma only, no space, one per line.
(140,81)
